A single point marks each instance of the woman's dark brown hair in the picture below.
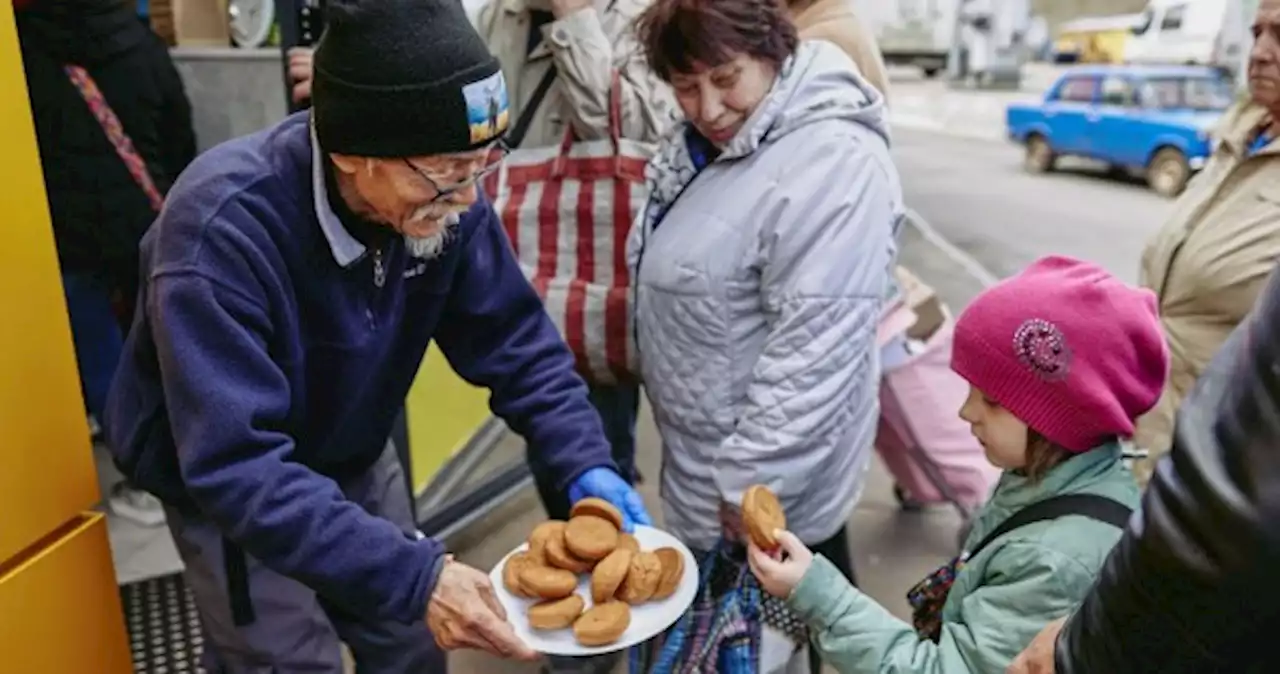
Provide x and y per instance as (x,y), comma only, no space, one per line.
(676,34)
(1042,456)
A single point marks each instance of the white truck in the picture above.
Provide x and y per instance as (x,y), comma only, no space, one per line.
(980,40)
(1199,32)
(916,33)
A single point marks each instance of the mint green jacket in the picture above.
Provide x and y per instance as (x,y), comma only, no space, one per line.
(1001,598)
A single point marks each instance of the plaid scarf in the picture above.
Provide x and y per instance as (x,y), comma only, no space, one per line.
(720,633)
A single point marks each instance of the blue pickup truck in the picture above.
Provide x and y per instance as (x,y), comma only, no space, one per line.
(1153,119)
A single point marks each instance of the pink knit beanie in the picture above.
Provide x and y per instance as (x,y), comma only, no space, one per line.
(1067,348)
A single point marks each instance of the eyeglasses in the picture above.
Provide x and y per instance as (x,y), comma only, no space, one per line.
(493,159)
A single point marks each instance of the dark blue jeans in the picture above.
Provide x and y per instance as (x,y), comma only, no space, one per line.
(96,335)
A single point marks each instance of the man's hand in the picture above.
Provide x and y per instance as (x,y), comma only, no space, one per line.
(464,612)
(606,484)
(779,577)
(1037,658)
(563,8)
(300,73)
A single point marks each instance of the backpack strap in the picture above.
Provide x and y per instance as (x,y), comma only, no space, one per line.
(1099,508)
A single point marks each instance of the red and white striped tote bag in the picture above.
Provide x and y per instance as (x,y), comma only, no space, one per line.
(567,211)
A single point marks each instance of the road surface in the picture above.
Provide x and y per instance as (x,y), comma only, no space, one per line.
(976,195)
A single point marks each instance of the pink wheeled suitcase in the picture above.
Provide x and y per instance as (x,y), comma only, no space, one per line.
(923,442)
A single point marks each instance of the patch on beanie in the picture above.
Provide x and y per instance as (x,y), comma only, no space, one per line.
(1041,347)
(488,111)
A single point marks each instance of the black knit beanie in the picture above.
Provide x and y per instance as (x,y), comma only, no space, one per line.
(405,78)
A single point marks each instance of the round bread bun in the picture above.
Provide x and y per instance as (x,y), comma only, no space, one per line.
(556,614)
(558,556)
(516,564)
(762,515)
(597,507)
(602,624)
(543,534)
(672,572)
(590,537)
(642,578)
(629,542)
(609,574)
(545,582)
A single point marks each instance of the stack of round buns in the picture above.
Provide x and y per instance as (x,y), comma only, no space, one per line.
(622,575)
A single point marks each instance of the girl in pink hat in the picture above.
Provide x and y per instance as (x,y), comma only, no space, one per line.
(1061,359)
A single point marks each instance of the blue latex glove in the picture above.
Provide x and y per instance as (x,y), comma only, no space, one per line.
(606,484)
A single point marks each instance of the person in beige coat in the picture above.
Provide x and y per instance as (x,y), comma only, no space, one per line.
(586,41)
(1213,255)
(836,21)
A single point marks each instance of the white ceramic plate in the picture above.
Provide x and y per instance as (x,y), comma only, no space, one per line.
(647,620)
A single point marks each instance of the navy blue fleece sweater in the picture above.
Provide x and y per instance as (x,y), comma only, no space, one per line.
(258,365)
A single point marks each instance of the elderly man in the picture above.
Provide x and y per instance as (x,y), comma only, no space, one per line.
(558,58)
(1212,257)
(291,288)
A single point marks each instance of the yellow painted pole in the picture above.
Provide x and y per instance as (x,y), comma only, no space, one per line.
(59,606)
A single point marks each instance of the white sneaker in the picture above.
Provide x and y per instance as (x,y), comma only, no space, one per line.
(136,505)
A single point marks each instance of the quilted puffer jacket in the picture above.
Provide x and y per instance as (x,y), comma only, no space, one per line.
(1191,586)
(758,290)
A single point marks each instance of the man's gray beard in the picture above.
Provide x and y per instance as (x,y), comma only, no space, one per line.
(430,247)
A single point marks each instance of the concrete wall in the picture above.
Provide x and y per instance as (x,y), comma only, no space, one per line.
(1056,12)
(233,91)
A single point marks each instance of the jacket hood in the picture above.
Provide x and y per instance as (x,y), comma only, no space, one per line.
(819,83)
(81,32)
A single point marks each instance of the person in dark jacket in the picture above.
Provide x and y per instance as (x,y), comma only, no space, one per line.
(99,210)
(290,290)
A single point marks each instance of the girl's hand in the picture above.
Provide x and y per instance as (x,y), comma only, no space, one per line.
(779,577)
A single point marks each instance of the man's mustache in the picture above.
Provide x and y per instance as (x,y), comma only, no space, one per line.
(436,212)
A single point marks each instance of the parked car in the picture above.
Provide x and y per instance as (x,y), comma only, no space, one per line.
(1154,119)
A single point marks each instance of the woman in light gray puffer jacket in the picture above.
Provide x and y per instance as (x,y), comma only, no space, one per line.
(760,264)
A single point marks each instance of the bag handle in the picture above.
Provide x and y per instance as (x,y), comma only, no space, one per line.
(1093,506)
(615,130)
(521,129)
(111,126)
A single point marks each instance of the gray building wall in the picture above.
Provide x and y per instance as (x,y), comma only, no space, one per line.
(233,91)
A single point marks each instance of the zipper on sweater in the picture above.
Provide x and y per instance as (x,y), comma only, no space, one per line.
(379,280)
(379,269)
